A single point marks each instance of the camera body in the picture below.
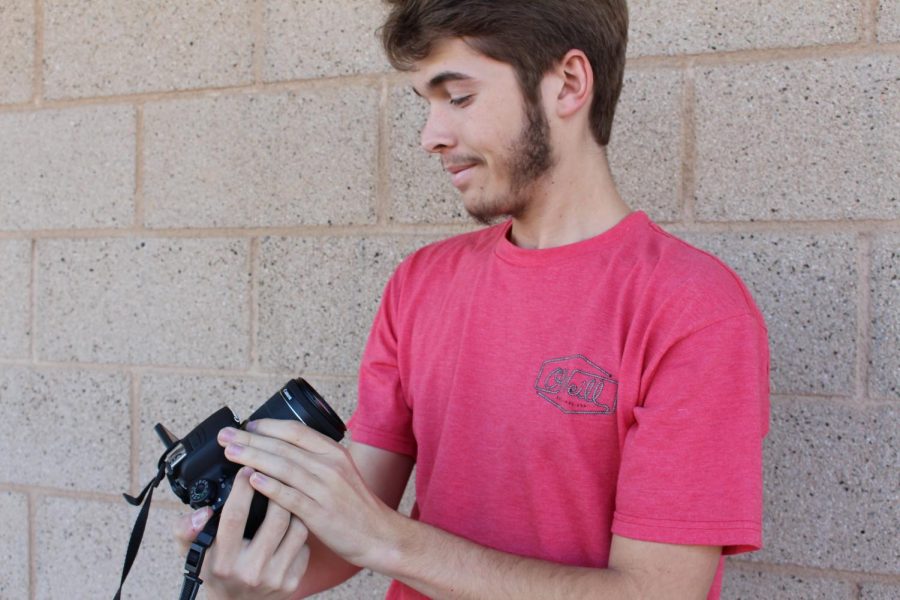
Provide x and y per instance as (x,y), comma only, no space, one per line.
(196,466)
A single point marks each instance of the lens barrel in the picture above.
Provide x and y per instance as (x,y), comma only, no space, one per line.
(298,400)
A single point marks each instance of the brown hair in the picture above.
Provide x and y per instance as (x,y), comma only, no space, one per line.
(530,35)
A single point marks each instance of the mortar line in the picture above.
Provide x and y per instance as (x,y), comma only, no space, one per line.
(32,303)
(37,85)
(39,491)
(259,35)
(826,227)
(411,229)
(254,305)
(383,203)
(863,316)
(762,55)
(796,226)
(868,27)
(114,498)
(835,401)
(688,144)
(134,408)
(139,166)
(174,370)
(829,573)
(737,57)
(32,546)
(277,87)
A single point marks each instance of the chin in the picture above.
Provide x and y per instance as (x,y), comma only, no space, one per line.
(492,212)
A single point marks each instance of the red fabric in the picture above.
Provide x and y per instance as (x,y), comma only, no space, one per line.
(554,397)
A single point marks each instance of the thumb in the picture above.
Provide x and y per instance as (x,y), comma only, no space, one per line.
(187,527)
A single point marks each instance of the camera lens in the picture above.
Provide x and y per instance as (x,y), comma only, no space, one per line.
(298,400)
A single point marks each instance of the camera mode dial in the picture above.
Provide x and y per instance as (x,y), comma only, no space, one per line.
(202,493)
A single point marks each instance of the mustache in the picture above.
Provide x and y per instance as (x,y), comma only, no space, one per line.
(450,162)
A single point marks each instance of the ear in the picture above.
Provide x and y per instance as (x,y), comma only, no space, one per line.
(575,83)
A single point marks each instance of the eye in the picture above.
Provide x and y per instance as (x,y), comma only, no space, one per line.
(460,100)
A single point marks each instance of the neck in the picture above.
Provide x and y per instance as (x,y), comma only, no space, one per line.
(575,201)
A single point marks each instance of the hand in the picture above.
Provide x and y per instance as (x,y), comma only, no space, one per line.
(315,479)
(269,566)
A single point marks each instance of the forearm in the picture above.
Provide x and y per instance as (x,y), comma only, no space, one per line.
(443,566)
(325,571)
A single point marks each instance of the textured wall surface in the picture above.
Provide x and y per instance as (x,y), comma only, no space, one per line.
(199,200)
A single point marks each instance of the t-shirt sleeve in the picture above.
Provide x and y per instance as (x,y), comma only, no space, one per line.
(691,470)
(383,418)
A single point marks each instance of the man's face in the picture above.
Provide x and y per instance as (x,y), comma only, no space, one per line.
(493,144)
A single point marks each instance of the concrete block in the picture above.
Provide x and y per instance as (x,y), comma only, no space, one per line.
(420,189)
(875,591)
(14,545)
(318,296)
(742,584)
(806,139)
(71,428)
(888,21)
(262,160)
(831,487)
(884,379)
(15,298)
(110,47)
(806,287)
(672,27)
(311,38)
(645,149)
(16,52)
(63,169)
(152,301)
(81,545)
(181,402)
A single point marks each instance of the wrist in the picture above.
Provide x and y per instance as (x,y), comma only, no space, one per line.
(388,550)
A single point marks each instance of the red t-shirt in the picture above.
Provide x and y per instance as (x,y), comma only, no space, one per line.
(554,397)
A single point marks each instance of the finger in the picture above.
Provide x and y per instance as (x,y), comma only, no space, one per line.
(300,472)
(298,501)
(295,433)
(230,535)
(305,475)
(230,435)
(292,544)
(187,527)
(297,569)
(268,536)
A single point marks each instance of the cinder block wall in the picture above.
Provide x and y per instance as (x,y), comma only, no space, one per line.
(199,200)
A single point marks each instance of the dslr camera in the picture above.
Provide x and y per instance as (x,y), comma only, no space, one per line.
(196,466)
(200,475)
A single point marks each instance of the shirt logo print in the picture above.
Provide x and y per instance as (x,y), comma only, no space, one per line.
(575,385)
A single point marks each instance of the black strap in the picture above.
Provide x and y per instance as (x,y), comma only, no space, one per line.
(194,561)
(137,532)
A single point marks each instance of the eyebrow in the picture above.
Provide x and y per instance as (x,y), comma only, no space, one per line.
(442,78)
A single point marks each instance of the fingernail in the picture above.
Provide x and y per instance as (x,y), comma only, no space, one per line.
(227,434)
(246,472)
(259,479)
(252,425)
(234,449)
(198,519)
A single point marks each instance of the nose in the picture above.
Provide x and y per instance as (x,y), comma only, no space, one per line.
(436,134)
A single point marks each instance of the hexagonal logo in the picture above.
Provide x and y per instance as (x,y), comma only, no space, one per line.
(575,385)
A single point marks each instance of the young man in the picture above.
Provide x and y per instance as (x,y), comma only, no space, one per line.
(584,396)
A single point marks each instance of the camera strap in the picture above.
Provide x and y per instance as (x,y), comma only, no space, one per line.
(137,532)
(194,561)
